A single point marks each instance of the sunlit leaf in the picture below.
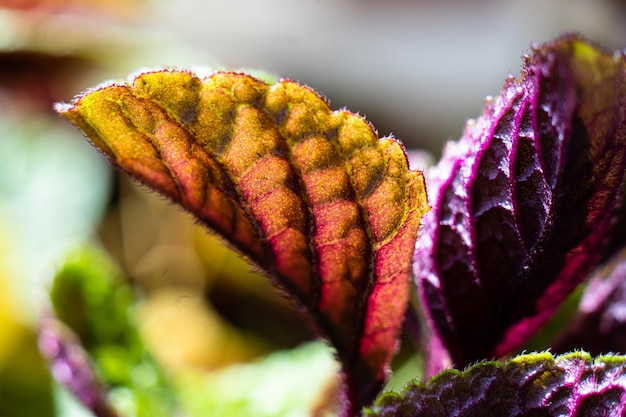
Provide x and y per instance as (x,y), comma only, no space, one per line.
(523,203)
(311,196)
(528,385)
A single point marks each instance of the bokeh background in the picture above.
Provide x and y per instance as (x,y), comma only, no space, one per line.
(416,69)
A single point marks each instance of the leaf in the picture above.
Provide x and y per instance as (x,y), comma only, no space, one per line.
(71,367)
(92,339)
(535,385)
(599,323)
(310,196)
(523,203)
(303,379)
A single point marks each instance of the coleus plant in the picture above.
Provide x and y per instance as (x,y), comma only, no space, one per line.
(524,207)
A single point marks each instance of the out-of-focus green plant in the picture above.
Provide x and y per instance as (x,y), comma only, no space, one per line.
(94,348)
(91,297)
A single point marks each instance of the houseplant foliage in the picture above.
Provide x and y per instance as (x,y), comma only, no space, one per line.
(522,210)
(525,201)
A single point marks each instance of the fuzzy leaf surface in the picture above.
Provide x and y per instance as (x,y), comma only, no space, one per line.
(523,203)
(537,385)
(310,196)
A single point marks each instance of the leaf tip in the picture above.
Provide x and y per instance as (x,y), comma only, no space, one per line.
(62,108)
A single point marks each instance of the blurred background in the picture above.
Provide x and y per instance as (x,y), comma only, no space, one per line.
(416,69)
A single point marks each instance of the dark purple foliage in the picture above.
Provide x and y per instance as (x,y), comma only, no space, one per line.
(523,203)
(535,385)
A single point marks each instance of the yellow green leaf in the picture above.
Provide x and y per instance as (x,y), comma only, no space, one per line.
(311,196)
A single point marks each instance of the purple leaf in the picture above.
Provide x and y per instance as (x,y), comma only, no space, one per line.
(523,202)
(599,325)
(528,385)
(71,367)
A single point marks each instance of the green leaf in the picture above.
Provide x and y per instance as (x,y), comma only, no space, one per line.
(301,381)
(537,384)
(310,196)
(92,299)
